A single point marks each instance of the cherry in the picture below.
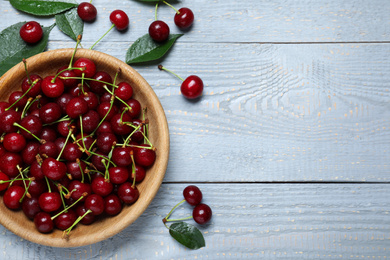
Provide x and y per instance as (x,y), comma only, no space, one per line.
(159,31)
(36,171)
(69,74)
(90,121)
(119,19)
(71,152)
(32,124)
(105,142)
(17,99)
(140,174)
(118,124)
(76,106)
(144,156)
(3,177)
(87,141)
(135,107)
(88,67)
(30,152)
(112,205)
(124,91)
(95,203)
(53,169)
(52,87)
(192,195)
(118,175)
(184,18)
(79,189)
(105,109)
(101,186)
(73,168)
(36,187)
(8,120)
(87,11)
(50,112)
(64,127)
(91,99)
(48,134)
(202,213)
(106,97)
(97,86)
(14,142)
(49,201)
(65,220)
(97,160)
(121,156)
(9,162)
(12,197)
(128,193)
(28,82)
(138,135)
(3,106)
(48,149)
(89,218)
(105,127)
(30,207)
(192,87)
(43,222)
(31,32)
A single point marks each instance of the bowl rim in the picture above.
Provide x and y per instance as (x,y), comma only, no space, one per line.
(162,158)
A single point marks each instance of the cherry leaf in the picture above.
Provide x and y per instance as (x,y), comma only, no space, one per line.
(13,49)
(70,23)
(187,235)
(43,7)
(146,49)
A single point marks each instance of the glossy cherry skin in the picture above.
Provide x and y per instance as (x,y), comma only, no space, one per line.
(192,87)
(36,170)
(48,134)
(31,32)
(7,119)
(140,174)
(128,193)
(14,142)
(135,106)
(27,85)
(52,89)
(33,124)
(144,156)
(118,175)
(17,99)
(65,220)
(87,11)
(202,213)
(30,207)
(49,113)
(90,122)
(121,156)
(53,169)
(64,72)
(4,177)
(50,201)
(12,197)
(91,99)
(120,19)
(76,106)
(112,205)
(138,136)
(184,19)
(95,203)
(192,195)
(9,162)
(102,186)
(79,189)
(105,142)
(97,160)
(159,31)
(48,149)
(30,152)
(43,222)
(76,170)
(36,187)
(71,152)
(89,67)
(124,91)
(88,218)
(119,126)
(97,86)
(105,109)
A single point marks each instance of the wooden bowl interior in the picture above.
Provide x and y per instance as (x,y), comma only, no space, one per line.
(46,64)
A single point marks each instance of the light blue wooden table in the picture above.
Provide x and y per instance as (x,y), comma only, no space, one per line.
(289,143)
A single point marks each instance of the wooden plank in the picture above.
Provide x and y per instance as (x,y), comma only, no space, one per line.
(233,21)
(303,112)
(294,221)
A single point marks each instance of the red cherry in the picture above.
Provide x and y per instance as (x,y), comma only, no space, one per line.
(4,177)
(65,220)
(31,32)
(30,152)
(112,205)
(120,19)
(118,175)
(89,67)
(124,91)
(50,201)
(102,186)
(9,162)
(27,82)
(144,156)
(52,89)
(202,213)
(43,222)
(98,87)
(53,169)
(12,197)
(14,142)
(17,98)
(192,195)
(192,87)
(87,11)
(95,203)
(68,83)
(88,218)
(184,18)
(30,207)
(76,106)
(159,31)
(128,193)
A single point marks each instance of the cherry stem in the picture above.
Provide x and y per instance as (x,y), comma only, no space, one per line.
(106,173)
(81,170)
(129,136)
(112,26)
(177,11)
(59,186)
(25,93)
(27,107)
(155,12)
(105,158)
(66,208)
(59,120)
(29,101)
(178,219)
(67,231)
(82,133)
(48,184)
(112,93)
(116,75)
(36,137)
(177,205)
(69,68)
(25,68)
(66,141)
(145,126)
(161,67)
(75,49)
(26,193)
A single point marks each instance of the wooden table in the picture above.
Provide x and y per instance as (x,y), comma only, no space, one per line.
(289,143)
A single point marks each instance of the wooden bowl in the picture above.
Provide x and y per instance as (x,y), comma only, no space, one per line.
(46,64)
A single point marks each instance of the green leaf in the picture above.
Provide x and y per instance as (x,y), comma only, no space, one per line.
(70,23)
(187,235)
(13,49)
(146,49)
(43,7)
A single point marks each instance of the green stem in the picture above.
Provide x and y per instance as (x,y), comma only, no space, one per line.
(112,26)
(66,141)
(48,184)
(25,93)
(25,68)
(177,205)
(36,137)
(177,11)
(74,52)
(155,12)
(178,219)
(163,68)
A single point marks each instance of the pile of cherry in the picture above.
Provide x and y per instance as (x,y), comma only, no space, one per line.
(73,147)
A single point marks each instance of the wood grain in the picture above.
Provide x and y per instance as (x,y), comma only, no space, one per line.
(294,221)
(233,21)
